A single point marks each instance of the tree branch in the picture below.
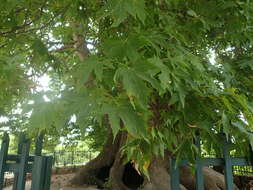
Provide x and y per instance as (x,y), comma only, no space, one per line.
(22,29)
(65,47)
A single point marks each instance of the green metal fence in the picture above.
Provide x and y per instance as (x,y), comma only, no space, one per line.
(23,163)
(71,158)
(230,164)
(243,170)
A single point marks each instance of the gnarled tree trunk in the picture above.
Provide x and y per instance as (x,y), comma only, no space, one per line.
(159,175)
(213,180)
(117,170)
(92,172)
(108,167)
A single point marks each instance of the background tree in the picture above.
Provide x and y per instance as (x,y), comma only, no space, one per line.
(141,70)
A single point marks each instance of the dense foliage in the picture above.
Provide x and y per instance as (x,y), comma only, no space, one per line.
(160,69)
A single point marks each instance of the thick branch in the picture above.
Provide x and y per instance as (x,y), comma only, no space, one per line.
(80,46)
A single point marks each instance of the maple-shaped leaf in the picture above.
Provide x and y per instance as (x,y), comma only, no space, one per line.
(135,87)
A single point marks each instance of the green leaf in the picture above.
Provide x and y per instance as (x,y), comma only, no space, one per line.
(114,117)
(39,47)
(114,48)
(148,72)
(120,9)
(165,73)
(241,126)
(92,64)
(122,48)
(133,122)
(115,122)
(225,124)
(43,116)
(137,8)
(135,87)
(192,13)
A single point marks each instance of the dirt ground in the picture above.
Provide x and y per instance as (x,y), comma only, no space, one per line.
(59,182)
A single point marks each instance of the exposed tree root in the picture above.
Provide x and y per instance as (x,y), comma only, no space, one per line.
(94,172)
(117,170)
(108,167)
(159,176)
(212,180)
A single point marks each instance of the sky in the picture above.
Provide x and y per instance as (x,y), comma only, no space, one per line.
(44,82)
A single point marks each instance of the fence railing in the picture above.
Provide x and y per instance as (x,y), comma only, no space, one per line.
(243,170)
(71,158)
(227,161)
(22,163)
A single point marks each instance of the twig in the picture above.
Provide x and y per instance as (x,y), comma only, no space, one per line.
(23,27)
(65,47)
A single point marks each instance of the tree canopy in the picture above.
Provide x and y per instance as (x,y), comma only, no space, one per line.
(159,69)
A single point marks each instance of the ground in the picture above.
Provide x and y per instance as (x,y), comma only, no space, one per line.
(59,182)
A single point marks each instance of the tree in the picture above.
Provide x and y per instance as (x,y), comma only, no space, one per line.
(142,70)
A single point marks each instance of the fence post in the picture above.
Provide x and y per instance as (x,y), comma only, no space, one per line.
(72,158)
(174,175)
(199,172)
(23,165)
(38,172)
(3,157)
(38,145)
(228,166)
(21,141)
(47,182)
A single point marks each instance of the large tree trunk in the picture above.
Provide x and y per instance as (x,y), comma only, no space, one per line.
(159,175)
(109,162)
(213,180)
(117,170)
(109,165)
(93,172)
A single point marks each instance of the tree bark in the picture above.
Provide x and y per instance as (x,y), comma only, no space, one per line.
(159,175)
(212,180)
(117,170)
(111,156)
(88,174)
